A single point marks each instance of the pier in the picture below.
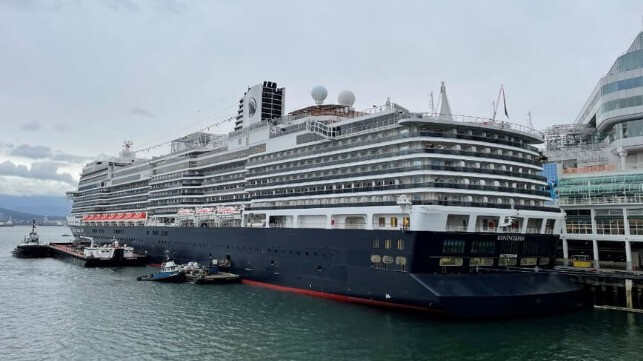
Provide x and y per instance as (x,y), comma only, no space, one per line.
(610,289)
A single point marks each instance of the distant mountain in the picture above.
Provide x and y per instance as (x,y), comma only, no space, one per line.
(6,214)
(22,217)
(51,206)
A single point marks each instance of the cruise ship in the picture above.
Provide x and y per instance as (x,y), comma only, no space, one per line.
(430,212)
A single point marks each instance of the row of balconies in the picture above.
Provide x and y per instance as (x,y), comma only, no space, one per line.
(355,161)
(378,137)
(370,186)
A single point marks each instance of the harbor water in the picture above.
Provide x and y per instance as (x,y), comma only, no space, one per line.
(54,310)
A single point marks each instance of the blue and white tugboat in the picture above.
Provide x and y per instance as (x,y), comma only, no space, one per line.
(30,247)
(169,272)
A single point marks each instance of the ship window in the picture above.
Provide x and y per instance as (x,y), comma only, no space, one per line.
(543,261)
(453,246)
(394,222)
(451,261)
(483,247)
(401,263)
(376,243)
(387,243)
(382,221)
(481,262)
(531,248)
(528,261)
(506,261)
(400,244)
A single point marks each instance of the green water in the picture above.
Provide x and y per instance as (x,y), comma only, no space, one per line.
(54,310)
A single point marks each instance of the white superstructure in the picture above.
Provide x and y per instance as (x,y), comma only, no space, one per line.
(330,166)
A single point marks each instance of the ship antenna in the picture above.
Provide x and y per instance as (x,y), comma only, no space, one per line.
(495,105)
(431,103)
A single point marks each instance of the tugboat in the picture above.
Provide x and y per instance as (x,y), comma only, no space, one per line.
(169,272)
(30,247)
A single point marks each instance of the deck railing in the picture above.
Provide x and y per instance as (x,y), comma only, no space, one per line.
(637,198)
(497,124)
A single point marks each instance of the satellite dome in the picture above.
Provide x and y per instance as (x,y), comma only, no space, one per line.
(319,94)
(346,98)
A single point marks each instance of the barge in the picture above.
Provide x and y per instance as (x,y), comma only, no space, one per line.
(108,255)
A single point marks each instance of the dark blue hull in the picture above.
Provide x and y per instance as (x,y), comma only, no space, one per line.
(387,268)
(31,251)
(168,277)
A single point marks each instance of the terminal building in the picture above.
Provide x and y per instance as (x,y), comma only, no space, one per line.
(596,170)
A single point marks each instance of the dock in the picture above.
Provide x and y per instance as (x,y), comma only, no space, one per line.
(214,279)
(605,289)
(613,289)
(76,253)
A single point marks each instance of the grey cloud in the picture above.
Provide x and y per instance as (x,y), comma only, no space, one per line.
(170,6)
(60,127)
(42,152)
(122,5)
(8,168)
(70,158)
(37,5)
(31,151)
(49,170)
(31,126)
(103,157)
(44,170)
(141,112)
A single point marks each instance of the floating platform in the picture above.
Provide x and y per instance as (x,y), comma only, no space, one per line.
(76,254)
(213,279)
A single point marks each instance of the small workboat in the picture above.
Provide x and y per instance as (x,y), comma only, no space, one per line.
(169,272)
(209,276)
(111,255)
(30,247)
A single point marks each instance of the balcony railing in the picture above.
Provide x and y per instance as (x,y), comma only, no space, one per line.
(583,201)
(497,124)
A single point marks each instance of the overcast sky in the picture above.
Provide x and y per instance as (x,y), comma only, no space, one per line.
(79,77)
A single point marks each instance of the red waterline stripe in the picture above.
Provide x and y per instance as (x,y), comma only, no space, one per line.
(155,265)
(336,297)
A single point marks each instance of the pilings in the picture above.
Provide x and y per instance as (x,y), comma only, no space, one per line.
(597,261)
(623,290)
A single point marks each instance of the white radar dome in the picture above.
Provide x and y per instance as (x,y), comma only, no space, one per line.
(346,98)
(319,94)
